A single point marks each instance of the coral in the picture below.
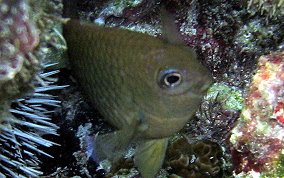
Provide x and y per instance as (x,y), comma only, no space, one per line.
(18,39)
(23,42)
(258,137)
(200,159)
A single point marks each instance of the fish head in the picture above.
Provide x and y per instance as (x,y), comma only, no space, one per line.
(174,85)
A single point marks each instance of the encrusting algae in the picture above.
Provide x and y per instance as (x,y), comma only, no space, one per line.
(146,87)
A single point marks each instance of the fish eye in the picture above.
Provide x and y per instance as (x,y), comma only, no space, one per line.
(170,79)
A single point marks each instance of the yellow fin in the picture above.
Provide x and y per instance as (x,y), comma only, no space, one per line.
(150,156)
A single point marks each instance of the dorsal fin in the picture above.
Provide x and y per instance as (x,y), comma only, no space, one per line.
(169,28)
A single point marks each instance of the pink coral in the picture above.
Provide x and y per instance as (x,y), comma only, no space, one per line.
(18,37)
(258,137)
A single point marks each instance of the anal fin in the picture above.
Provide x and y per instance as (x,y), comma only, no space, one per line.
(149,156)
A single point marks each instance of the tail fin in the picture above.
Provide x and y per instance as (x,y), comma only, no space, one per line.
(150,157)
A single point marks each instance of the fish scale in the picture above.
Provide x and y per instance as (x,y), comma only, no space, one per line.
(113,90)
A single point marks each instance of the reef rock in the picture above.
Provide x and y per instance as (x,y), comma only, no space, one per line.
(258,137)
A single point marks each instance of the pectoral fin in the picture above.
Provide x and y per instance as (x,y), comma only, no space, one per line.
(110,146)
(149,156)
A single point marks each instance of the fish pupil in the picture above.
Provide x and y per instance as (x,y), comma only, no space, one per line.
(172,79)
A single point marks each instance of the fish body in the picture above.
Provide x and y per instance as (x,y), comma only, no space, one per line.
(146,87)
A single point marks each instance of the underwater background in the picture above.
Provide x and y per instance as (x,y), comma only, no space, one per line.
(236,132)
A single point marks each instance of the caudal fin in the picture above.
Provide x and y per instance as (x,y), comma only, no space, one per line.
(150,156)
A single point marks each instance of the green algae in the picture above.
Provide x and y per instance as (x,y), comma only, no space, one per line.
(277,170)
(231,97)
(254,35)
(263,128)
(271,9)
